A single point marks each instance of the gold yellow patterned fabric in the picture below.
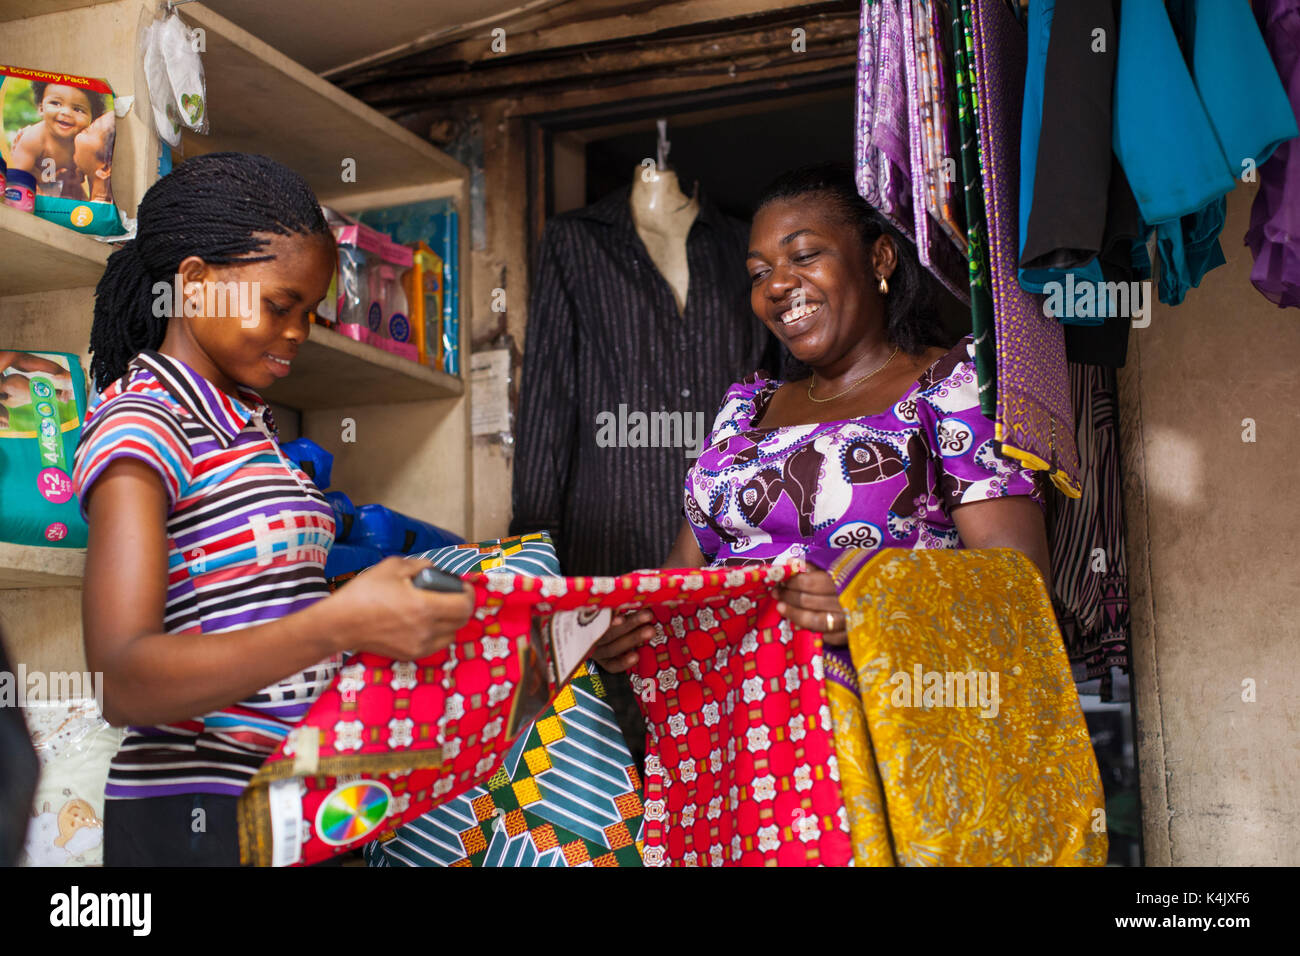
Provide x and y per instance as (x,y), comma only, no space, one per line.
(864,800)
(970,711)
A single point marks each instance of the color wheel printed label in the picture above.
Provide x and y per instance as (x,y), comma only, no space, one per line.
(352,811)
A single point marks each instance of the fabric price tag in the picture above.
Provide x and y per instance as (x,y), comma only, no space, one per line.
(573,633)
(286,822)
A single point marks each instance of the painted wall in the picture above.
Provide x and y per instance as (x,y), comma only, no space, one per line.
(1214,557)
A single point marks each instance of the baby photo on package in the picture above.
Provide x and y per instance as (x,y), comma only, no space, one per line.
(59,129)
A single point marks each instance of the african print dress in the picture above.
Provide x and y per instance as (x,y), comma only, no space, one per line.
(888,480)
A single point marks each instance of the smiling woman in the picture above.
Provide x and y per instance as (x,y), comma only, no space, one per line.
(883,445)
(199,524)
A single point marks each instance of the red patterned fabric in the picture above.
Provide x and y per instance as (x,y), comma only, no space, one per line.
(740,763)
(395,739)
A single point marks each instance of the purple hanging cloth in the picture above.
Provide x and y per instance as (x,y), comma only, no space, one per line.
(881,148)
(1274,233)
(1035,420)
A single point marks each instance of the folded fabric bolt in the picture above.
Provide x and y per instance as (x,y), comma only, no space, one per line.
(959,731)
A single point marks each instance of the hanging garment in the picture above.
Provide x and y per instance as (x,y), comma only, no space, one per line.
(1173,162)
(1274,233)
(1034,420)
(1089,566)
(881,145)
(932,25)
(1081,212)
(935,251)
(981,298)
(1236,80)
(606,342)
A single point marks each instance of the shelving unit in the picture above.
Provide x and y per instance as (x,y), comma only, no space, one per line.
(260,101)
(39,256)
(330,365)
(411,448)
(26,567)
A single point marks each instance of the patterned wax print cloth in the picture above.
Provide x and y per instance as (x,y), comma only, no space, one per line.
(884,480)
(740,753)
(568,791)
(944,179)
(1034,420)
(389,740)
(522,554)
(977,240)
(958,731)
(881,146)
(567,794)
(935,251)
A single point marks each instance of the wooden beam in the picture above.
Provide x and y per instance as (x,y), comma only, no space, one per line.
(674,83)
(598,23)
(825,36)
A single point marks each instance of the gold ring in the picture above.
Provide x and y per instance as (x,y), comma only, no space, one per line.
(830,621)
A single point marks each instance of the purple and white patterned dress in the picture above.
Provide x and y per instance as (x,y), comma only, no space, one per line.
(887,480)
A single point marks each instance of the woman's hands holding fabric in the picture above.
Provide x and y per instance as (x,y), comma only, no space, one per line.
(382,612)
(616,650)
(809,600)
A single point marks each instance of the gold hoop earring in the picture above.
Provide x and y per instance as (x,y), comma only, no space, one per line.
(884,286)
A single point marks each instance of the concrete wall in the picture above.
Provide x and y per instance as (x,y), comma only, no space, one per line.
(1214,557)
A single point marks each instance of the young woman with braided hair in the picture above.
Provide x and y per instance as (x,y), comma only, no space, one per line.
(205,605)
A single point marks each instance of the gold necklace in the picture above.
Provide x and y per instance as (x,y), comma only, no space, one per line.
(813,382)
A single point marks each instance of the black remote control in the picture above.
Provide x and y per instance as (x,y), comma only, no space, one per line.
(433,579)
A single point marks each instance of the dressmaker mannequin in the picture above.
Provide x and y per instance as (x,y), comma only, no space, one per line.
(663,216)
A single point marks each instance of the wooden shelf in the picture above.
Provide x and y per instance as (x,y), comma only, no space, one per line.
(22,566)
(18,9)
(39,256)
(333,371)
(260,101)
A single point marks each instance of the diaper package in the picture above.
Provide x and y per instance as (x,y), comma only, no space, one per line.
(60,129)
(42,407)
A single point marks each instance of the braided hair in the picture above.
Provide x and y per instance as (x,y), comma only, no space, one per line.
(212,206)
(912,317)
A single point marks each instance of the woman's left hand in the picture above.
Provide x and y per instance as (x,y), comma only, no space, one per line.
(809,600)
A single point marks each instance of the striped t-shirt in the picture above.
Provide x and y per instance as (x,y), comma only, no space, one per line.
(247,537)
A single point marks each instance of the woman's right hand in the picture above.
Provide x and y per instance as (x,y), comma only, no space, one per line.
(382,612)
(616,650)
